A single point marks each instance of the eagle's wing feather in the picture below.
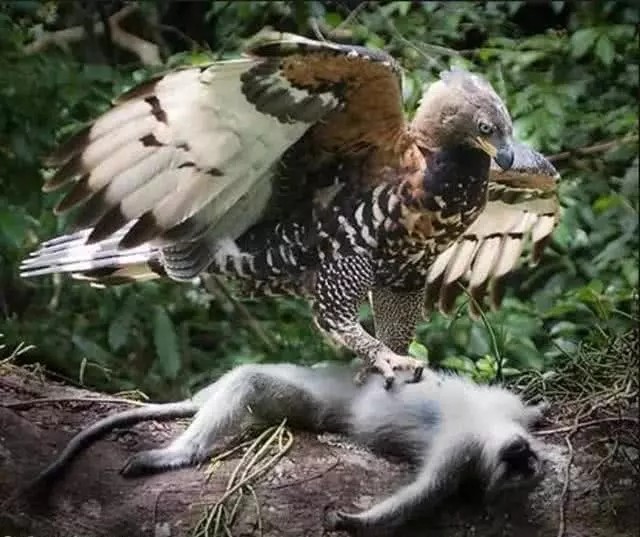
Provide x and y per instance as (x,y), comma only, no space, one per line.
(194,149)
(522,208)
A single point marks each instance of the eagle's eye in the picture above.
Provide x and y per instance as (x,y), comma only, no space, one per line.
(485,128)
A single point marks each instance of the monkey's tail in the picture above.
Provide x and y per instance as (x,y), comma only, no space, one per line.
(159,412)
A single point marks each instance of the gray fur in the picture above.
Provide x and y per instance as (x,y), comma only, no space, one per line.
(445,425)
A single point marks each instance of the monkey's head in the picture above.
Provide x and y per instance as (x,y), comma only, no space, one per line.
(510,457)
(512,464)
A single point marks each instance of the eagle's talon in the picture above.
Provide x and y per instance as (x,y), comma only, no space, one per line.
(388,363)
(417,375)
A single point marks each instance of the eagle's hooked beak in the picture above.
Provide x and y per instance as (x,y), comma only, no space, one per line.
(498,148)
(504,156)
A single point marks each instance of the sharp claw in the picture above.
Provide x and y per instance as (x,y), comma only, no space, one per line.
(417,375)
(360,377)
(388,382)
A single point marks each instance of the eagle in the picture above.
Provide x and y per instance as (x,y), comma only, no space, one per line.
(294,170)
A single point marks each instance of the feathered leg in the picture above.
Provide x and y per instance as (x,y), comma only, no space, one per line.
(396,315)
(340,287)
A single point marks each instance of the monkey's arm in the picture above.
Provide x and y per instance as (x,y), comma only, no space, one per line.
(439,476)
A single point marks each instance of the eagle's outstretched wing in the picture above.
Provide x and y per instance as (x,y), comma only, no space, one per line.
(523,207)
(194,149)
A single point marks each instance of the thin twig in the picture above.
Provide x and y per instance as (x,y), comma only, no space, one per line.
(565,488)
(353,14)
(600,147)
(585,424)
(315,28)
(19,405)
(147,52)
(313,477)
(258,510)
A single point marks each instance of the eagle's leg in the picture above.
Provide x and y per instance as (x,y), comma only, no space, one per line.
(340,287)
(396,315)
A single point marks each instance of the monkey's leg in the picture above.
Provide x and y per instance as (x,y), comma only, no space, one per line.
(340,287)
(265,392)
(439,476)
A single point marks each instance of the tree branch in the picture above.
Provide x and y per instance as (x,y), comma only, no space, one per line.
(146,51)
(149,53)
(600,147)
(285,500)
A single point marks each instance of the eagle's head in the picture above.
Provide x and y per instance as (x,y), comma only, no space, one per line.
(463,109)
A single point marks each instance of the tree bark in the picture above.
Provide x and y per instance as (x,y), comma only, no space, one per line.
(93,500)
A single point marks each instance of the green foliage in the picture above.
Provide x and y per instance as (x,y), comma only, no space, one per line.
(569,73)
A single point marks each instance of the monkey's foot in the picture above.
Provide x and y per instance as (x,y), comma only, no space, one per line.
(138,465)
(387,363)
(156,460)
(339,521)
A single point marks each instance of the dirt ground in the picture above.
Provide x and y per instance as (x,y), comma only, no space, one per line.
(584,493)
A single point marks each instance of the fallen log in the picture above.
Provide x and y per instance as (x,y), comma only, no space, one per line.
(94,500)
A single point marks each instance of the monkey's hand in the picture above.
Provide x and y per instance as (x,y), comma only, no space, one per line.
(335,520)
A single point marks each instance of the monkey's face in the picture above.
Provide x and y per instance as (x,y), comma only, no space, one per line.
(511,461)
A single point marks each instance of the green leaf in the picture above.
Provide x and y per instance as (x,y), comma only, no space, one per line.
(605,50)
(487,364)
(119,328)
(418,350)
(91,349)
(582,41)
(630,271)
(166,342)
(563,328)
(333,19)
(510,372)
(479,344)
(458,363)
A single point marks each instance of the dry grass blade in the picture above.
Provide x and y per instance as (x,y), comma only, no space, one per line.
(218,519)
(595,393)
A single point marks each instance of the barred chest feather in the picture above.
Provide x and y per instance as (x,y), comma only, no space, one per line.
(403,237)
(400,235)
(455,193)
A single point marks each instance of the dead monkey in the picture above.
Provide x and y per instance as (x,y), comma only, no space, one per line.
(447,426)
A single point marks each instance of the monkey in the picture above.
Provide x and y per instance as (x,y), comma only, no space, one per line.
(446,426)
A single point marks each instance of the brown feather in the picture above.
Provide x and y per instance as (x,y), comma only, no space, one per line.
(372,116)
(64,175)
(71,147)
(79,193)
(144,230)
(108,224)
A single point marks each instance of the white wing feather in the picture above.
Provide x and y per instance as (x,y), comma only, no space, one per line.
(488,250)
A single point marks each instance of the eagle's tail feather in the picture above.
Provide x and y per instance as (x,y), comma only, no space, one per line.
(102,262)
